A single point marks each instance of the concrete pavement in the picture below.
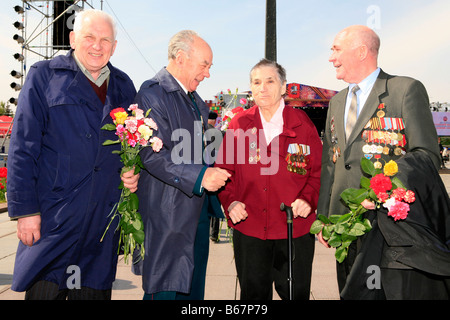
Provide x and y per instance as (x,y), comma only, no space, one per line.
(221,281)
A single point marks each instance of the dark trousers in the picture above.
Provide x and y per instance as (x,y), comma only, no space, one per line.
(260,263)
(46,290)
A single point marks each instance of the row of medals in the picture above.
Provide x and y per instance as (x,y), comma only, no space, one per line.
(391,139)
(295,161)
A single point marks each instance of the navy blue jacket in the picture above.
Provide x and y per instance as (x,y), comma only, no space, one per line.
(169,207)
(58,166)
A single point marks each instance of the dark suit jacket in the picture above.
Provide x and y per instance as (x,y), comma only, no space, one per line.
(403,98)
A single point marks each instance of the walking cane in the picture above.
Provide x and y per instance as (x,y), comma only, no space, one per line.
(290,217)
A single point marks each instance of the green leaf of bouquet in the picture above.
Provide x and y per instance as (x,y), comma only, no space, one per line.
(133,202)
(137,224)
(347,239)
(334,218)
(126,227)
(340,227)
(345,217)
(316,227)
(109,126)
(335,240)
(323,218)
(372,195)
(139,236)
(365,182)
(327,231)
(341,254)
(355,196)
(110,142)
(367,225)
(360,196)
(358,229)
(367,166)
(122,206)
(396,183)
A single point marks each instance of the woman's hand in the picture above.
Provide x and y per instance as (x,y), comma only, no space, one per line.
(300,208)
(236,212)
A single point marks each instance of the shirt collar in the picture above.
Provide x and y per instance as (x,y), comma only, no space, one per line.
(104,73)
(277,118)
(366,85)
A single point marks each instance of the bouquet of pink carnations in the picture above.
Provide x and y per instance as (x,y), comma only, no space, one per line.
(135,132)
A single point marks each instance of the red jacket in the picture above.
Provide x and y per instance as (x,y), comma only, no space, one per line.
(260,176)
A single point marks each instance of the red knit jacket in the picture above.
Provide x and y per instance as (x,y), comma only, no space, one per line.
(262,176)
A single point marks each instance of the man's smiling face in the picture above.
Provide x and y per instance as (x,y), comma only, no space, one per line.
(94,44)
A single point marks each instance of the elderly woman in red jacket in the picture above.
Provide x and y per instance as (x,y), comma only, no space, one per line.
(274,154)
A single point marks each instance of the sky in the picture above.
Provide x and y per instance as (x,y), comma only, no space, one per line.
(415,39)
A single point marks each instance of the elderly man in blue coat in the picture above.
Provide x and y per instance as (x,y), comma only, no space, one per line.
(173,200)
(62,183)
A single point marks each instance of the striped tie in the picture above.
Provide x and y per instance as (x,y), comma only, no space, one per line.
(352,113)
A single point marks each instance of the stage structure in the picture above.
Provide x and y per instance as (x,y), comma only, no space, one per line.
(313,100)
(43,29)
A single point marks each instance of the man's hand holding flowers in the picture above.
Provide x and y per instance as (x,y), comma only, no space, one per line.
(130,180)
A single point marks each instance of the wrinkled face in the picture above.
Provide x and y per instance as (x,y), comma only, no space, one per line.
(196,65)
(266,87)
(345,58)
(94,44)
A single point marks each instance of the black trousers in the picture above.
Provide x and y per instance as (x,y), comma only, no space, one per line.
(260,263)
(46,290)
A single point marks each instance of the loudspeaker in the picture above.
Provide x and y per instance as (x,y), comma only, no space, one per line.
(61,29)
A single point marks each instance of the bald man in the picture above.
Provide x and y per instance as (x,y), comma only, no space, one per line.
(402,102)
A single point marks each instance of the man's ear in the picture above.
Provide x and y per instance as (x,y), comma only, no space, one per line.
(72,39)
(363,52)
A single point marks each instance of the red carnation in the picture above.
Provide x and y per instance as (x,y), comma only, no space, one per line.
(380,183)
(383,196)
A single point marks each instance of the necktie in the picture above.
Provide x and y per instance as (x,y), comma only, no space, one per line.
(352,113)
(191,96)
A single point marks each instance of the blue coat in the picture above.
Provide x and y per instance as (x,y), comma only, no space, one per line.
(170,210)
(58,166)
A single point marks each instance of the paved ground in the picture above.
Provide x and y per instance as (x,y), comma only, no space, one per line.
(221,274)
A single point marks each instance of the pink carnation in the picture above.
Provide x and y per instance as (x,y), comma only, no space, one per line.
(410,197)
(131,124)
(399,193)
(119,131)
(151,123)
(156,144)
(399,211)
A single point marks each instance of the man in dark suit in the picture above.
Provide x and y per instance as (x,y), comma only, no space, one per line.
(173,187)
(392,119)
